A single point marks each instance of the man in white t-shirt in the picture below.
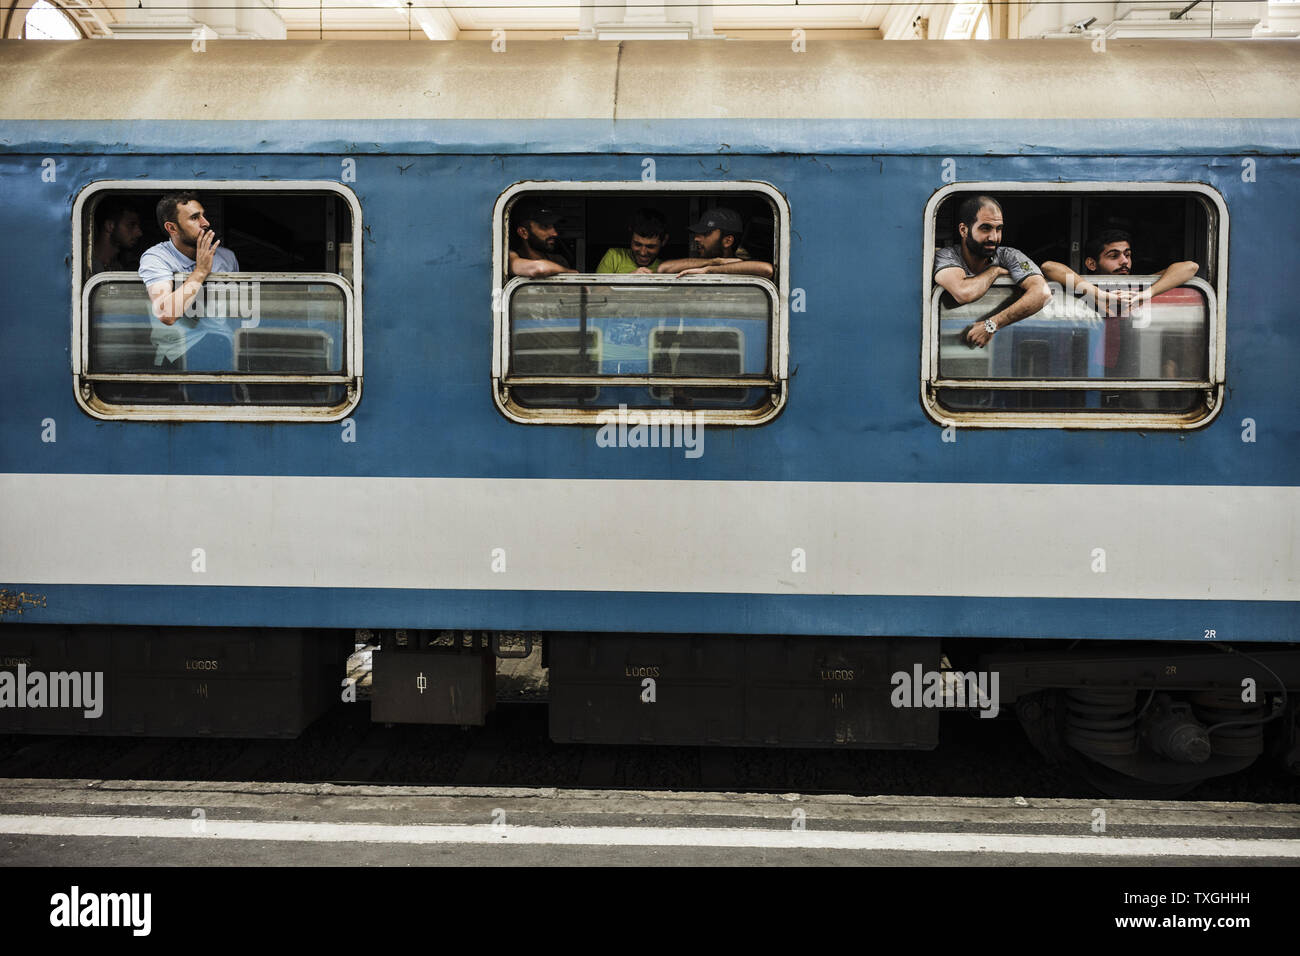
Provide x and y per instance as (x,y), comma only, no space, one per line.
(191,248)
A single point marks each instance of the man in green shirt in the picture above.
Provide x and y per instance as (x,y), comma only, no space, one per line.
(649,232)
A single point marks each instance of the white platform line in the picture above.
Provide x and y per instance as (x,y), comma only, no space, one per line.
(302,832)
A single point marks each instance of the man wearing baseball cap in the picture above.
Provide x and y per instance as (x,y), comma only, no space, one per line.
(534,242)
(715,248)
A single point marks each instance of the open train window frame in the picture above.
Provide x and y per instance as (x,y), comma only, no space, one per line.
(350,375)
(1215,290)
(778,290)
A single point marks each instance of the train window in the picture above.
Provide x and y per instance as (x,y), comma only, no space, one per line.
(278,340)
(289,328)
(1077,363)
(570,346)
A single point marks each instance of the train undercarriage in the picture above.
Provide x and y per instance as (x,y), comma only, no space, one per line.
(1133,719)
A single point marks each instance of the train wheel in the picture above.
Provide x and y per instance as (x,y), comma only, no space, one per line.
(1045,718)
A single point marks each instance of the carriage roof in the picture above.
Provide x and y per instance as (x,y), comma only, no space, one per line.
(236,80)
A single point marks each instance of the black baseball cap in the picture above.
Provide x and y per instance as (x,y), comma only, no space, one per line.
(530,210)
(728,220)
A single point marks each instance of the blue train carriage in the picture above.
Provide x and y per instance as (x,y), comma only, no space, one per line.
(736,510)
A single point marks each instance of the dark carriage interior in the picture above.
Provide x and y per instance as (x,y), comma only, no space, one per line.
(272,232)
(594,223)
(1166,227)
(267,231)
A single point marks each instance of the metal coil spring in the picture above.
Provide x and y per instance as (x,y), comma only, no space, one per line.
(1101,721)
(1236,727)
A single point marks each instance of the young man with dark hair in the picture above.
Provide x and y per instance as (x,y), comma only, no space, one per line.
(191,247)
(715,248)
(649,232)
(534,242)
(967,271)
(117,228)
(1110,253)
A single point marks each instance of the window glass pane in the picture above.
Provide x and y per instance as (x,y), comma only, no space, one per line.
(695,331)
(1069,339)
(245,326)
(555,350)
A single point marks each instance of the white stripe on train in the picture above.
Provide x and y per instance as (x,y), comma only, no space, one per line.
(1224,543)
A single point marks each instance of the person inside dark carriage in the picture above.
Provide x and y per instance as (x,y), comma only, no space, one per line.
(535,242)
(184,334)
(192,249)
(1110,253)
(967,271)
(117,232)
(716,248)
(647,235)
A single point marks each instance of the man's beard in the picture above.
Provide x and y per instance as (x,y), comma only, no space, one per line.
(193,241)
(977,249)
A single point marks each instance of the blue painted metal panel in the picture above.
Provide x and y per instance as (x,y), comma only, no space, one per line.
(854,412)
(672,613)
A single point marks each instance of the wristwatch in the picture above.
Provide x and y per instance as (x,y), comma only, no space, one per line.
(990,326)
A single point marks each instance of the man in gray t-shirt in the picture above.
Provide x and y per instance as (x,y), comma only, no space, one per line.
(1015,262)
(967,271)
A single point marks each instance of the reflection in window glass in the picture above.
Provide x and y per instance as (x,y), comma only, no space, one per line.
(247,326)
(555,351)
(1071,340)
(699,352)
(661,329)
